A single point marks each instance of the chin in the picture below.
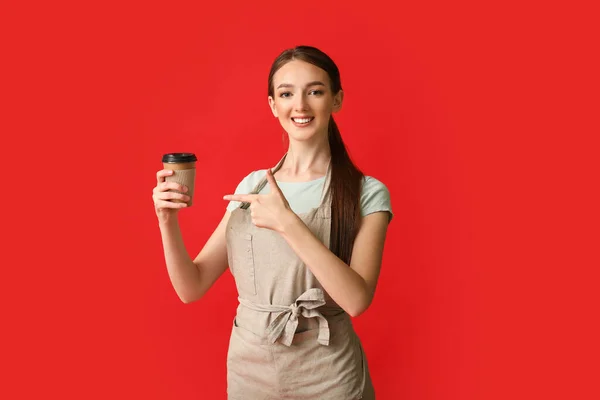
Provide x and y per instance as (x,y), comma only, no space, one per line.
(302,135)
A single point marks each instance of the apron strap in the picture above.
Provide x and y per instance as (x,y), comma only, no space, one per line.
(263,182)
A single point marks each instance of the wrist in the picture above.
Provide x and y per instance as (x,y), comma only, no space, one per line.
(288,221)
(168,222)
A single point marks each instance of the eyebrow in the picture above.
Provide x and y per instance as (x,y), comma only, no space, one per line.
(313,83)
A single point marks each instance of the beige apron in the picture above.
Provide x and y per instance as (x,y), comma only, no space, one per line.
(289,339)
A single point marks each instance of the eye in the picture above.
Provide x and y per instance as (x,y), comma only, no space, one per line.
(317,92)
(285,94)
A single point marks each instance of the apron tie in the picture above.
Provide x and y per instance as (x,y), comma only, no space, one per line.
(285,323)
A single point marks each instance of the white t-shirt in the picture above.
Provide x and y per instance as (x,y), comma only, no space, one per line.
(304,196)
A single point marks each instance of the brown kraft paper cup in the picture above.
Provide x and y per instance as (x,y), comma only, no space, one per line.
(183,166)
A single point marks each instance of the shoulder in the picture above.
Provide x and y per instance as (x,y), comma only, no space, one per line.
(374,197)
(250,181)
(246,185)
(371,184)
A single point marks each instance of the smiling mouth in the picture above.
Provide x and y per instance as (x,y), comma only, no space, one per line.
(302,121)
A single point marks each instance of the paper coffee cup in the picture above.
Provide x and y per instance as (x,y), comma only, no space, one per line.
(184,172)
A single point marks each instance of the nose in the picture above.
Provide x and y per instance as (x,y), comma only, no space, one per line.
(300,103)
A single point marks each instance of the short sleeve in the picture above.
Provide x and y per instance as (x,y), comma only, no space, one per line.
(244,187)
(375,197)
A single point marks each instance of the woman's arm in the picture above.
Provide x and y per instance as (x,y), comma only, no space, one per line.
(351,287)
(192,279)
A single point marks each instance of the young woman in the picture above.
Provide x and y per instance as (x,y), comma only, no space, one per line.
(304,242)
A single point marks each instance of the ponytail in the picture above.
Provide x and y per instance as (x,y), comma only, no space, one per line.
(346,185)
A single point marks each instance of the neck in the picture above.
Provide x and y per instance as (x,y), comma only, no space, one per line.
(307,158)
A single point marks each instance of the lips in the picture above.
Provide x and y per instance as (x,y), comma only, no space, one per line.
(301,121)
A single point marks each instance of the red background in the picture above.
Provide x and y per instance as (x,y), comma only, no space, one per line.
(481,120)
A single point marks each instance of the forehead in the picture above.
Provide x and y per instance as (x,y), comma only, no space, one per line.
(299,73)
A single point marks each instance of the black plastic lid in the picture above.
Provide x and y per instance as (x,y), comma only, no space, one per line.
(179,158)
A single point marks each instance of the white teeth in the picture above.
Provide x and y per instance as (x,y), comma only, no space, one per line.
(302,120)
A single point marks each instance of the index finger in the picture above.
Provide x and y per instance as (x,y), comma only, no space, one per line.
(160,175)
(245,198)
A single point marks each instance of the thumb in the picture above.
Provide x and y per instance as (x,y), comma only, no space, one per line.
(272,182)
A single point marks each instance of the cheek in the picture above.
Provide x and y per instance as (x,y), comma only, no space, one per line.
(322,105)
(282,111)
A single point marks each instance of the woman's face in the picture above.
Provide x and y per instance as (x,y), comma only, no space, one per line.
(302,100)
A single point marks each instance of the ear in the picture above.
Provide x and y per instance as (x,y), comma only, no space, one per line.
(337,101)
(272,105)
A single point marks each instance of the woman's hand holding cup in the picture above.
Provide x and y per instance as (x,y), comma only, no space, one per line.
(175,184)
(163,197)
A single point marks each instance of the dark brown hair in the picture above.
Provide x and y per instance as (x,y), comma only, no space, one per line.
(346,178)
